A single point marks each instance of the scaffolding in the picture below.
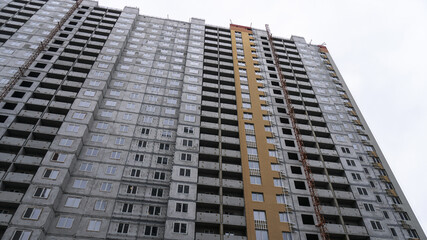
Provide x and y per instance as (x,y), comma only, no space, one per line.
(21,70)
(315,199)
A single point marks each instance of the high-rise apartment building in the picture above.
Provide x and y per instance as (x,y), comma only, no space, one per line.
(116,125)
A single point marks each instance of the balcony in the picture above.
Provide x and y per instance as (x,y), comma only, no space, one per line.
(38,144)
(208,217)
(28,160)
(208,181)
(356,230)
(233,201)
(18,177)
(12,141)
(335,228)
(208,198)
(11,197)
(234,220)
(232,183)
(208,165)
(5,219)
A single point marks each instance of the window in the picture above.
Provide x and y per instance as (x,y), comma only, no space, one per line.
(106,187)
(21,235)
(157,192)
(181,207)
(253,165)
(259,215)
(106,114)
(183,188)
(250,138)
(127,116)
(97,138)
(150,231)
(72,128)
(386,214)
(275,167)
(187,143)
(369,207)
(255,180)
(252,151)
(184,172)
(115,155)
(51,174)
(59,157)
(86,167)
(180,228)
(280,199)
(159,175)
(65,222)
(188,130)
(42,192)
(246,105)
(139,157)
(350,162)
(277,182)
(110,170)
(124,128)
(287,235)
(249,126)
(65,142)
(379,198)
(120,141)
(123,228)
(94,225)
(283,216)
(162,160)
(376,225)
(132,189)
(393,232)
(32,213)
(168,122)
(153,210)
(89,93)
(185,157)
(145,131)
(345,150)
(189,118)
(127,208)
(100,205)
(73,202)
(356,176)
(142,144)
(247,116)
(190,107)
(167,133)
(362,191)
(135,172)
(257,197)
(79,183)
(164,146)
(170,111)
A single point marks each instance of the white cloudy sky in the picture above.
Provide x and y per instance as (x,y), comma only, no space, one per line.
(379,47)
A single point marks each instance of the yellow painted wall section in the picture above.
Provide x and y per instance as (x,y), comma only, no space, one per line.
(269,205)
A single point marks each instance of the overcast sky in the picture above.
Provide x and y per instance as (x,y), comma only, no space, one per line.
(379,47)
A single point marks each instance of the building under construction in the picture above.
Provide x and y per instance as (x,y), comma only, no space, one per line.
(117,125)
